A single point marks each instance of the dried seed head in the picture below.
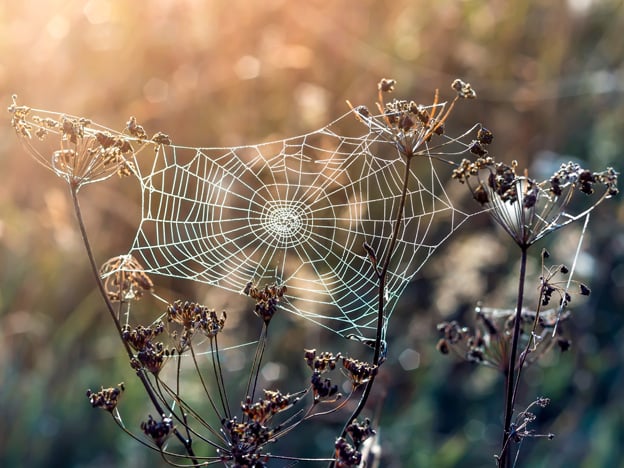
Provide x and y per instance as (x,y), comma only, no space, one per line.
(194,318)
(359,432)
(246,440)
(267,299)
(140,337)
(135,129)
(107,398)
(273,402)
(86,153)
(320,363)
(478,149)
(484,136)
(322,389)
(358,371)
(526,209)
(386,85)
(406,124)
(150,354)
(464,90)
(158,431)
(345,455)
(162,139)
(125,279)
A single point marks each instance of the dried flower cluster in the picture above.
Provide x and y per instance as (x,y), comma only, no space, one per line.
(322,388)
(408,124)
(193,318)
(150,355)
(346,455)
(350,455)
(324,362)
(125,279)
(359,432)
(273,402)
(106,398)
(266,299)
(158,431)
(359,372)
(87,152)
(246,441)
(490,342)
(529,210)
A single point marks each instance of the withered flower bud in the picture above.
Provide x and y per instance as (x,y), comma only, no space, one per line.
(386,85)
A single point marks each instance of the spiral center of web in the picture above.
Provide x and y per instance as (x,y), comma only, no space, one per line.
(282,223)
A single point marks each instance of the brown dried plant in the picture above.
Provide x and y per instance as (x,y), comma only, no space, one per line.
(185,338)
(528,211)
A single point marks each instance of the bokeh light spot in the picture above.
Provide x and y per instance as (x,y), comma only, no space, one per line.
(409,359)
(247,67)
(156,90)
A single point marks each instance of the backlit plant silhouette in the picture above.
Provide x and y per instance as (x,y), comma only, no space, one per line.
(527,211)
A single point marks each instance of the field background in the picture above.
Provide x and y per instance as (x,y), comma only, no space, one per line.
(549,76)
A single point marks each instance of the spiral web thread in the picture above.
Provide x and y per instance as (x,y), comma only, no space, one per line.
(294,212)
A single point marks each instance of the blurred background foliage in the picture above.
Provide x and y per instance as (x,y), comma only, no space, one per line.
(549,77)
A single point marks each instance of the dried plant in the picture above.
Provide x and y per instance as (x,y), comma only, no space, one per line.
(527,210)
(89,153)
(183,348)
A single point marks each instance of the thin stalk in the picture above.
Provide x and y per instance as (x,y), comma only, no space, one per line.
(139,372)
(205,387)
(381,295)
(254,373)
(218,371)
(505,454)
(530,342)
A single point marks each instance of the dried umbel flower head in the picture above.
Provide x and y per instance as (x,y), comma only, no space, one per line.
(359,372)
(274,402)
(345,455)
(125,279)
(452,333)
(321,363)
(359,432)
(107,398)
(526,209)
(150,354)
(490,342)
(86,152)
(266,299)
(158,431)
(141,336)
(195,318)
(406,123)
(323,389)
(246,441)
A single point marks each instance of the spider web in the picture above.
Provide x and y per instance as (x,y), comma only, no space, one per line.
(294,212)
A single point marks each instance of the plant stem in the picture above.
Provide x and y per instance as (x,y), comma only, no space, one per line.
(139,372)
(510,387)
(381,296)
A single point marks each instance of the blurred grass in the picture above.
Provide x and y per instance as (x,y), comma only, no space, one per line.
(549,78)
